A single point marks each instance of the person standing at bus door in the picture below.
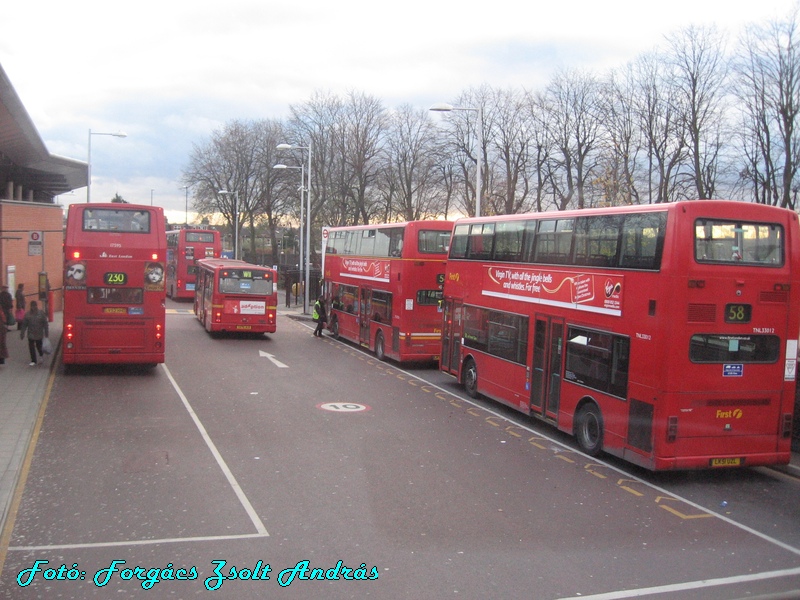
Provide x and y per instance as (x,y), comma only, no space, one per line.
(19,297)
(7,304)
(35,322)
(319,316)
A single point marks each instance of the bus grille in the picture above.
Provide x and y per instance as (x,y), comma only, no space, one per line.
(781,297)
(702,313)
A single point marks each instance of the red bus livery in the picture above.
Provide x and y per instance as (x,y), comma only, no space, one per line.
(663,334)
(235,296)
(184,248)
(114,284)
(383,286)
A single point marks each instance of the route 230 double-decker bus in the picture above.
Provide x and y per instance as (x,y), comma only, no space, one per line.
(384,286)
(184,248)
(114,284)
(663,334)
(235,296)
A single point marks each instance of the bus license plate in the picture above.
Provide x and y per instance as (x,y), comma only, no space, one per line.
(726,462)
(244,327)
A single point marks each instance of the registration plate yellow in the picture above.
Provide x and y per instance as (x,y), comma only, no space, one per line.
(726,462)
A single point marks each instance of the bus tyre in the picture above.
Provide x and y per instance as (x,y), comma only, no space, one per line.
(380,349)
(470,378)
(335,328)
(589,429)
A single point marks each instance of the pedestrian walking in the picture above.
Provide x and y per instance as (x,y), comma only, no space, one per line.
(3,332)
(7,305)
(19,298)
(319,316)
(35,323)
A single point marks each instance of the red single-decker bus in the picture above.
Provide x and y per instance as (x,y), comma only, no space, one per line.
(236,296)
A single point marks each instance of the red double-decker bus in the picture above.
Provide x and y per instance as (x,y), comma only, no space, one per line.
(184,248)
(114,258)
(663,334)
(235,296)
(384,286)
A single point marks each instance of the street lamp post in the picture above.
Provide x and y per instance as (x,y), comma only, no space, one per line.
(235,220)
(186,188)
(301,190)
(89,160)
(307,265)
(442,107)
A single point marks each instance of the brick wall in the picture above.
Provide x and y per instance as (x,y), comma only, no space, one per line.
(17,220)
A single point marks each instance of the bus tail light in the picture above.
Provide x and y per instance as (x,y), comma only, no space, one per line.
(217,317)
(270,317)
(155,256)
(70,335)
(159,334)
(786,426)
(672,429)
(76,254)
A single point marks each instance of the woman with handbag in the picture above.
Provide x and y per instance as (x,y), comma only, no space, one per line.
(19,297)
(35,322)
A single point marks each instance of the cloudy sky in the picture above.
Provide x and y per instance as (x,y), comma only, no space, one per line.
(170,72)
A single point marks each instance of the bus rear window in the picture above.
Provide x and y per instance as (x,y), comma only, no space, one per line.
(117,221)
(713,348)
(236,285)
(114,295)
(431,241)
(735,242)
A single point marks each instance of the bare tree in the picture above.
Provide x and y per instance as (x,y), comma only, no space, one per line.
(622,141)
(655,103)
(699,75)
(768,76)
(574,123)
(510,132)
(410,169)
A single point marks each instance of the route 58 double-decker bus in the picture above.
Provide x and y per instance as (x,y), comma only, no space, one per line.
(114,284)
(384,286)
(663,334)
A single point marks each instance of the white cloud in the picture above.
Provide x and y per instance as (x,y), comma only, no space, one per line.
(170,72)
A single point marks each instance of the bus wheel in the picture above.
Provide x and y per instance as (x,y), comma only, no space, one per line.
(335,329)
(380,350)
(470,378)
(589,429)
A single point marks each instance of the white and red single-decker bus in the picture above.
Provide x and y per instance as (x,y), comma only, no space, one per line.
(235,296)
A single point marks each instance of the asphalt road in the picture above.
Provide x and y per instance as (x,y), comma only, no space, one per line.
(305,468)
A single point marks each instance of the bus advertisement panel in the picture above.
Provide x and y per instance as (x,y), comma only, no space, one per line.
(114,259)
(235,296)
(662,334)
(383,286)
(184,248)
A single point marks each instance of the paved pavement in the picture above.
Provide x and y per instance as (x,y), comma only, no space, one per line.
(22,390)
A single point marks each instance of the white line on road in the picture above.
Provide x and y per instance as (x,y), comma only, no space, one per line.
(274,360)
(220,461)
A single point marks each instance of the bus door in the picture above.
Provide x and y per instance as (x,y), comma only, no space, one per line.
(363,316)
(548,348)
(451,336)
